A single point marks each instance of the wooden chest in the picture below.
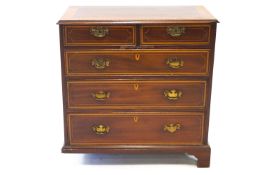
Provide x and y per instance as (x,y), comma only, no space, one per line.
(137,79)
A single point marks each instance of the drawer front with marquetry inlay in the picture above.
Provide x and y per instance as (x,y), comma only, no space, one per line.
(154,128)
(175,34)
(136,94)
(132,62)
(99,35)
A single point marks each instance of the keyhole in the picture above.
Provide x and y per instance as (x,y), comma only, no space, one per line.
(135,119)
(137,57)
(136,86)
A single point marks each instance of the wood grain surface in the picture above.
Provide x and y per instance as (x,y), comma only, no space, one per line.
(136,94)
(132,62)
(136,129)
(135,14)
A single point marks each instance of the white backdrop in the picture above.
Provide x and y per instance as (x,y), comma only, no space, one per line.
(31,130)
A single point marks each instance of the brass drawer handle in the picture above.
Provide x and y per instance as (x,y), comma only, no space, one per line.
(175,31)
(175,63)
(173,94)
(172,128)
(100,63)
(99,31)
(101,129)
(101,95)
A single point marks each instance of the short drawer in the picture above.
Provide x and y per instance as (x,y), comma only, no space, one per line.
(177,34)
(136,94)
(99,35)
(152,128)
(145,62)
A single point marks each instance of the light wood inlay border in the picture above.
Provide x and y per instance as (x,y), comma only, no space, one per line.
(175,42)
(149,114)
(207,51)
(134,106)
(66,43)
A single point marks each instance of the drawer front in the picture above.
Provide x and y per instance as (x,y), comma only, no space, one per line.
(99,35)
(178,34)
(177,129)
(168,62)
(136,94)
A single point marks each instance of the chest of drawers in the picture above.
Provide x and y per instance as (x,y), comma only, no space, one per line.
(137,79)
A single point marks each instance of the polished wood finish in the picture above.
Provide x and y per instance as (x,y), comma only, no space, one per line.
(136,129)
(136,14)
(194,34)
(81,36)
(134,62)
(137,79)
(136,94)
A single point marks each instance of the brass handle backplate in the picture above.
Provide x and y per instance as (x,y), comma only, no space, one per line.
(172,128)
(101,95)
(101,129)
(175,31)
(175,63)
(99,31)
(100,63)
(173,94)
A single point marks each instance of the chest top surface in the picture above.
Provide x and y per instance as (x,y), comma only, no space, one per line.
(162,14)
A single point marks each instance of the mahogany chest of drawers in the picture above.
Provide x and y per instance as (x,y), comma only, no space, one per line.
(137,79)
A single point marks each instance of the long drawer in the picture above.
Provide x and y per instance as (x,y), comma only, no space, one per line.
(136,94)
(148,128)
(143,62)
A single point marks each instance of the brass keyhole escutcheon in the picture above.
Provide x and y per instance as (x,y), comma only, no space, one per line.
(136,86)
(137,57)
(135,119)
